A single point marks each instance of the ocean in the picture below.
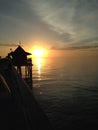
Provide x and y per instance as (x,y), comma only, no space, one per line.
(66,87)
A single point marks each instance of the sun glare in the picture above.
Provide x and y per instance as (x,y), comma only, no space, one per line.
(39,53)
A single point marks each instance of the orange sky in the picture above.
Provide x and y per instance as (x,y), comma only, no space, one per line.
(51,53)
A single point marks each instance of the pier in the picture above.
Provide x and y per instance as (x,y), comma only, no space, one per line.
(19,109)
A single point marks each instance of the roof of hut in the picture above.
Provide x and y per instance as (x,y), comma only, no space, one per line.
(19,50)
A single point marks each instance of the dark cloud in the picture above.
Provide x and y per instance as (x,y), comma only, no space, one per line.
(89,41)
(11,7)
(74,47)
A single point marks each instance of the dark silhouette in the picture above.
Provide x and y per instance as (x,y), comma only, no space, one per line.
(18,108)
(19,58)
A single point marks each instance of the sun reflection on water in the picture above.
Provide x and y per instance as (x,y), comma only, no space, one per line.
(39,62)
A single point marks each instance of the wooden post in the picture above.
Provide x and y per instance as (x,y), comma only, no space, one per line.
(31,76)
(28,73)
(19,70)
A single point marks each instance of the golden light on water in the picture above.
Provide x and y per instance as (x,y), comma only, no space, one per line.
(39,55)
(39,64)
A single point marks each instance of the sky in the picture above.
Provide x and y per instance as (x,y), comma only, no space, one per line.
(50,23)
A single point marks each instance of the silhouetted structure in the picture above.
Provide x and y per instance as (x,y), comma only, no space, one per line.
(19,59)
(19,109)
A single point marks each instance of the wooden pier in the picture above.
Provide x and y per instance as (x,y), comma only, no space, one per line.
(19,109)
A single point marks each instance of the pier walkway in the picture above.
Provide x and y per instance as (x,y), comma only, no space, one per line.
(19,109)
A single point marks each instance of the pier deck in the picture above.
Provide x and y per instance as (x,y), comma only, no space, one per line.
(19,109)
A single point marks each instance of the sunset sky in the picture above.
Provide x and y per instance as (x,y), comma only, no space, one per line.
(50,23)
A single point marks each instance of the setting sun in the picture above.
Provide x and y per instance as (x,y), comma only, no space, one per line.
(40,53)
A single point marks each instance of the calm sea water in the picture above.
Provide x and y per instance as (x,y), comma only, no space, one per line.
(67,89)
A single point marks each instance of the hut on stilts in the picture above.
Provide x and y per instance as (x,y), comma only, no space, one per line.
(19,59)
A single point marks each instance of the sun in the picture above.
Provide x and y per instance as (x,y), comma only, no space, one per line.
(39,52)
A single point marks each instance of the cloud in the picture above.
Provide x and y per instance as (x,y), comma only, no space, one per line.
(85,19)
(19,21)
(57,14)
(57,22)
(76,18)
(74,47)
